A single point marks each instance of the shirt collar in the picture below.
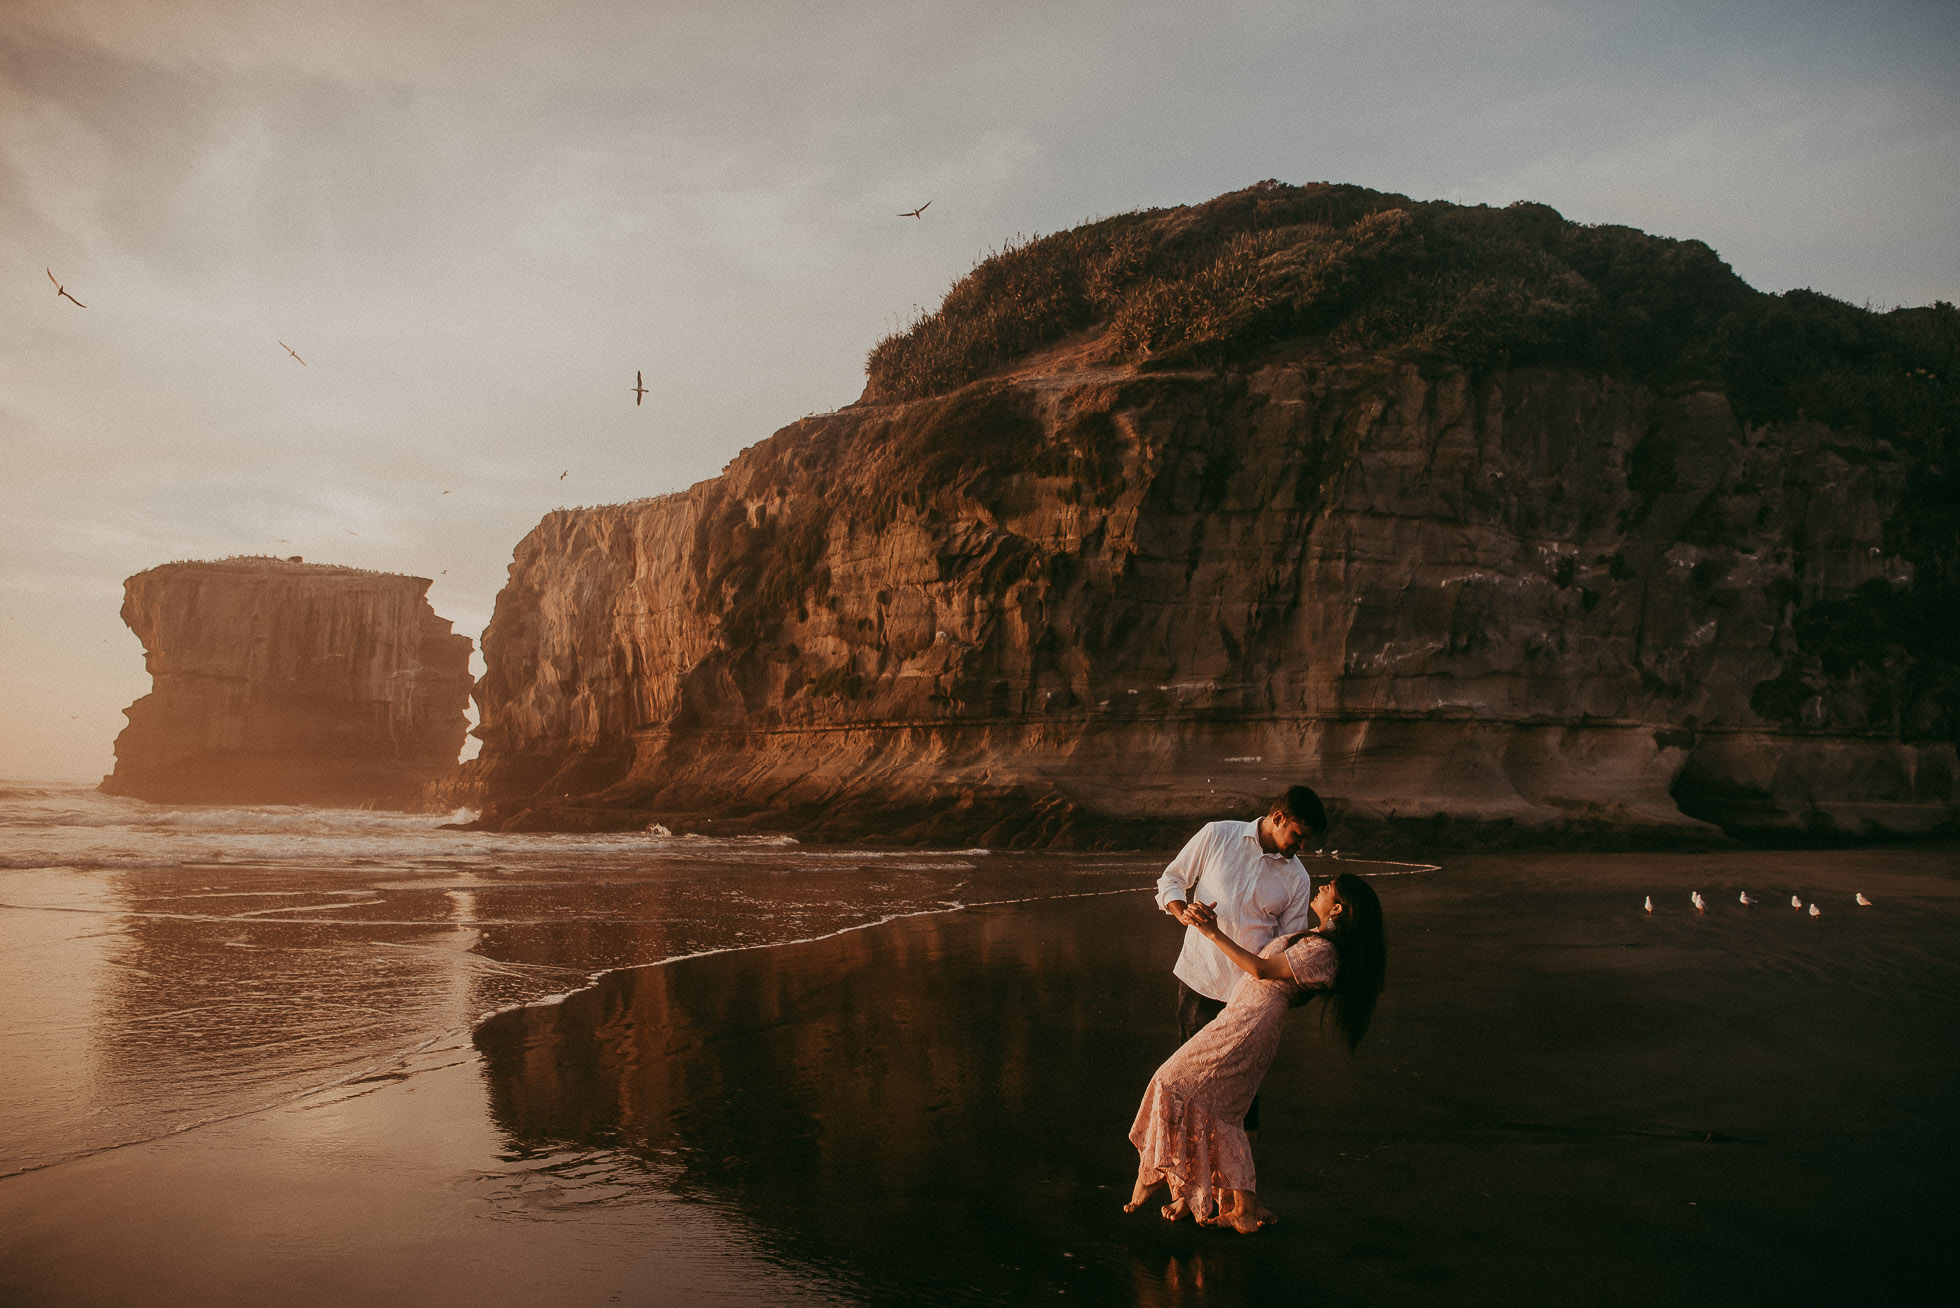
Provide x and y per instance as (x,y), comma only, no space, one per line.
(1252,833)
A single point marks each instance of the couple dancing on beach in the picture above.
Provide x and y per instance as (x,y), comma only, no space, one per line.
(1259,939)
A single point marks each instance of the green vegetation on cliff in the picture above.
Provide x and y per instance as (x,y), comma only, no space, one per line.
(1345,270)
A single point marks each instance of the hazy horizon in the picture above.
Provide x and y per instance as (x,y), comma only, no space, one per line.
(475,222)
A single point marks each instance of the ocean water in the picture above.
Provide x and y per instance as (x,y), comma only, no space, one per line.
(317,1057)
(167,967)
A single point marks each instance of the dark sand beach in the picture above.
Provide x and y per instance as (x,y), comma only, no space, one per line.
(1565,1099)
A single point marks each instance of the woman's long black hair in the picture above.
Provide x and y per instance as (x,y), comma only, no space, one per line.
(1362,947)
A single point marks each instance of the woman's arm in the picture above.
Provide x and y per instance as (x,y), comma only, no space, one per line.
(1266,969)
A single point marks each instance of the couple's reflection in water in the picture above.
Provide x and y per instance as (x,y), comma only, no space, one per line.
(928,1111)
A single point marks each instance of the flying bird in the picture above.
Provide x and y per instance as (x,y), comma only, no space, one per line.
(918,212)
(1694,897)
(564,474)
(1796,901)
(1744,897)
(60,290)
(1862,901)
(289,349)
(639,388)
(1816,911)
(1650,904)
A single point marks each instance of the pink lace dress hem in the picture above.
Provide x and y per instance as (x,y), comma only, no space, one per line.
(1188,1129)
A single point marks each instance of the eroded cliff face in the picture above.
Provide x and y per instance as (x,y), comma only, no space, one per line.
(289,683)
(1084,603)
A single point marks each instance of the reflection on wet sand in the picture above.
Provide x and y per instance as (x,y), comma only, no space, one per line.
(864,1096)
(218,985)
(217,1004)
(1565,1099)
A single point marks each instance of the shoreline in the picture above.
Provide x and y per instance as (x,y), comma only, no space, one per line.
(904,825)
(955,825)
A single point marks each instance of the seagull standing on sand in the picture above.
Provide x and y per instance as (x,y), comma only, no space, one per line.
(60,290)
(1816,911)
(1862,901)
(639,389)
(919,212)
(1744,897)
(1695,898)
(1796,901)
(289,349)
(1649,905)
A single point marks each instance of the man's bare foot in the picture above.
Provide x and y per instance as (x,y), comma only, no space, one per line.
(1240,1212)
(1241,1221)
(1267,1217)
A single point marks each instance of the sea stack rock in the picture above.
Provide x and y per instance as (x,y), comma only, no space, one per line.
(1486,524)
(282,682)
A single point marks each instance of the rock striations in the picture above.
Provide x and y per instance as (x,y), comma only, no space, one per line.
(277,681)
(1466,517)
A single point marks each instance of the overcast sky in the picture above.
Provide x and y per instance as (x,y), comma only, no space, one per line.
(474,221)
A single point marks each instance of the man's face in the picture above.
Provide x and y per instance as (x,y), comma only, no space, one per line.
(1288,832)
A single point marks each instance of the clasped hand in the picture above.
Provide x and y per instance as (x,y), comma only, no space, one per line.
(1199,915)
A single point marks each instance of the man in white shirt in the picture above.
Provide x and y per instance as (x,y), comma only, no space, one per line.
(1250,873)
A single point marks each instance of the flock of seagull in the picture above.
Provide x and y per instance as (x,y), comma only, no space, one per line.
(1746,899)
(639,380)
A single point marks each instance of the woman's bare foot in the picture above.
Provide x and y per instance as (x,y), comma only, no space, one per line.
(1144,1189)
(1267,1217)
(1175,1209)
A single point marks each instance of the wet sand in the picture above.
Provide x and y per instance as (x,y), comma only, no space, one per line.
(1564,1100)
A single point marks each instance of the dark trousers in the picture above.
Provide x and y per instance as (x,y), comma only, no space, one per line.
(1193,1012)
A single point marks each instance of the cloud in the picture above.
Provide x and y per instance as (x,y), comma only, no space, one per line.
(475,221)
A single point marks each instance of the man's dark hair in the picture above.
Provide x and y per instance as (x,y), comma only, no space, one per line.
(1306,808)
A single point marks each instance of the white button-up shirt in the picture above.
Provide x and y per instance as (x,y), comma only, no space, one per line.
(1259,896)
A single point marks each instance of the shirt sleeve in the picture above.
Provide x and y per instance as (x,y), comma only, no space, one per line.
(1297,916)
(1182,872)
(1313,961)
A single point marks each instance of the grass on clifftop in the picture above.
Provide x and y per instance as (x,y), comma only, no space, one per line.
(261,562)
(1348,270)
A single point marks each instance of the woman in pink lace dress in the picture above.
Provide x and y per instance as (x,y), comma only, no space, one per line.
(1188,1129)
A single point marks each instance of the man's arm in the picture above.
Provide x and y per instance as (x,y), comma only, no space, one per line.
(1297,916)
(1263,967)
(1174,886)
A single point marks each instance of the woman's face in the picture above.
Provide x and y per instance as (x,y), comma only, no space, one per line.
(1324,905)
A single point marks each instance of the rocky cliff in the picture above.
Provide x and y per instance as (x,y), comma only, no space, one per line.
(277,681)
(1470,517)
